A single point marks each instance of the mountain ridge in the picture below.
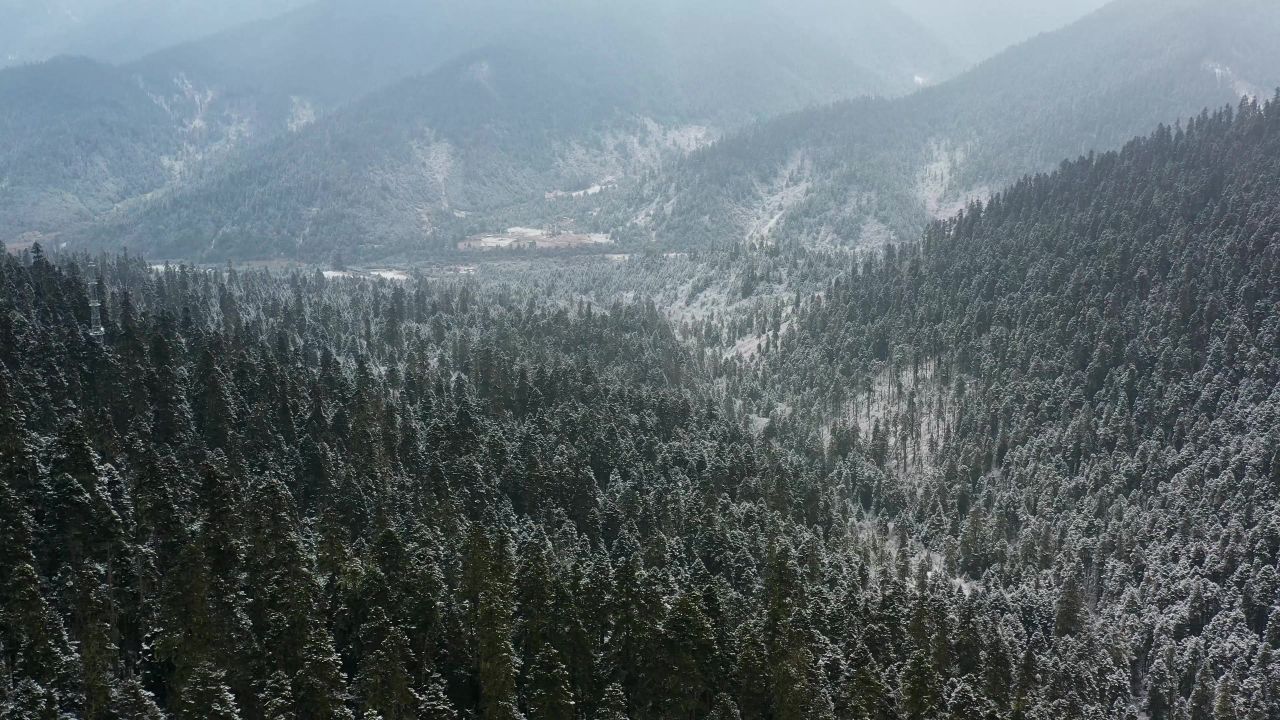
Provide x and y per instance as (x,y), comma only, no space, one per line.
(878,170)
(231,93)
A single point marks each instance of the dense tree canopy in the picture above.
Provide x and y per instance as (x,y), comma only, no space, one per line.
(1027,468)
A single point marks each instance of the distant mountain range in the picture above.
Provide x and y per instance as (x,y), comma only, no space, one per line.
(596,73)
(978,29)
(117,30)
(873,171)
(398,129)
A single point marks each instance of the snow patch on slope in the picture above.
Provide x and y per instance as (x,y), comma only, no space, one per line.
(876,234)
(435,159)
(432,167)
(774,199)
(908,405)
(936,185)
(602,162)
(207,133)
(301,113)
(635,146)
(481,73)
(1226,76)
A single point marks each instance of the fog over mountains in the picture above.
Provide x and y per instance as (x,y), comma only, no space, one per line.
(982,28)
(117,30)
(528,114)
(605,92)
(868,172)
(640,360)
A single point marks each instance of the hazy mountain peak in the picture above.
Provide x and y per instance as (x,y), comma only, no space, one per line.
(978,29)
(118,30)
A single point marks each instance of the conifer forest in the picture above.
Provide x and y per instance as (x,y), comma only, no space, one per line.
(765,445)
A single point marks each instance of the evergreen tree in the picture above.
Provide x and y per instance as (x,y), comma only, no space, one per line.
(276,698)
(40,656)
(1201,702)
(489,581)
(435,704)
(205,694)
(919,689)
(131,701)
(384,681)
(613,706)
(319,687)
(1068,618)
(549,694)
(725,709)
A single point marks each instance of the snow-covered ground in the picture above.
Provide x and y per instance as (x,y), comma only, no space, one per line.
(596,189)
(301,113)
(774,199)
(936,186)
(533,239)
(887,402)
(1241,86)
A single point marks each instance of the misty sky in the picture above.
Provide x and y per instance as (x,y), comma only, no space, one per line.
(978,28)
(124,30)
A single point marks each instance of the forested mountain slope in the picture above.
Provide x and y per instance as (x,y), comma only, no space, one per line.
(330,52)
(204,101)
(231,94)
(78,138)
(1082,377)
(871,171)
(333,51)
(568,102)
(277,495)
